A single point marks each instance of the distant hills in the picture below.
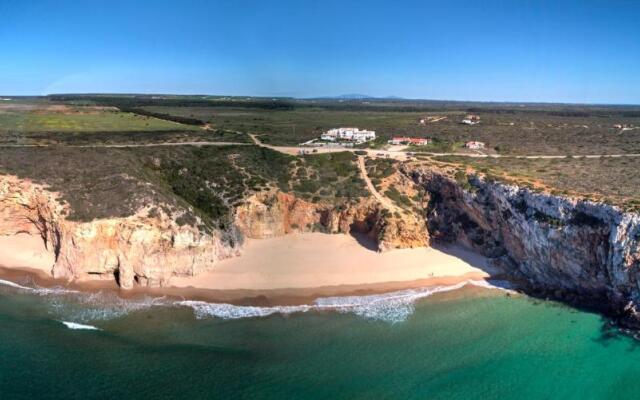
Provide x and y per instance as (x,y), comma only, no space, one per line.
(359,96)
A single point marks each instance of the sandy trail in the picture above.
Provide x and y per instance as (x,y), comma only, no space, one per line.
(383,200)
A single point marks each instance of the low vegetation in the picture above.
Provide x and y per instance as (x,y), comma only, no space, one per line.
(330,177)
(399,198)
(506,128)
(514,131)
(96,183)
(212,180)
(121,138)
(102,182)
(206,181)
(609,179)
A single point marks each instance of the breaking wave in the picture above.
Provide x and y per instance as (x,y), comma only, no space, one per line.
(75,326)
(37,290)
(390,307)
(13,285)
(99,306)
(65,304)
(68,304)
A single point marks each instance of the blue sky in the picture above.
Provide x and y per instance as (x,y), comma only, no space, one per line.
(561,51)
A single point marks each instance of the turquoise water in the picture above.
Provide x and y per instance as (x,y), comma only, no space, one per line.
(470,343)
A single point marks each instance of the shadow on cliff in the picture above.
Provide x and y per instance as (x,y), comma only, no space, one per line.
(365,240)
(469,256)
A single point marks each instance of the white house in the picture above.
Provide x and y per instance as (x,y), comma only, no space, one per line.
(348,134)
(471,119)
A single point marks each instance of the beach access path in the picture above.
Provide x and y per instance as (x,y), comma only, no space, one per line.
(387,203)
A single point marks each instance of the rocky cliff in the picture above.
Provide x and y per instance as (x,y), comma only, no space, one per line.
(575,250)
(269,214)
(150,246)
(146,248)
(578,251)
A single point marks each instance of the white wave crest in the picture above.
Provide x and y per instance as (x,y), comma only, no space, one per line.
(86,306)
(390,307)
(36,289)
(203,309)
(14,285)
(75,325)
(100,305)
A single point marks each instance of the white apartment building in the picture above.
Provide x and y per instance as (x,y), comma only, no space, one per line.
(348,134)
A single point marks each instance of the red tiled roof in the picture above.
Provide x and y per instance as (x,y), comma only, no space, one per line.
(410,139)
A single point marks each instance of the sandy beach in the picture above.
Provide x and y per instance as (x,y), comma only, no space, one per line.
(292,269)
(314,260)
(25,251)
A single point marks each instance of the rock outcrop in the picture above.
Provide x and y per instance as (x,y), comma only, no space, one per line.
(269,214)
(141,249)
(578,251)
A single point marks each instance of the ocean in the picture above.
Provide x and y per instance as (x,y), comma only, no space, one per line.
(461,343)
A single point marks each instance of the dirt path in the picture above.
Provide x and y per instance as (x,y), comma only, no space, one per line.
(533,157)
(255,139)
(136,145)
(383,200)
(296,150)
(388,204)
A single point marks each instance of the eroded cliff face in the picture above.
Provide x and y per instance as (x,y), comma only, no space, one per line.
(147,248)
(574,250)
(150,247)
(269,214)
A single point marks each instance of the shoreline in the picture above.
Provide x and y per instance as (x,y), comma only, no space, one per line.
(240,297)
(297,269)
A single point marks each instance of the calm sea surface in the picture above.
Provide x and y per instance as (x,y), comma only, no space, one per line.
(471,343)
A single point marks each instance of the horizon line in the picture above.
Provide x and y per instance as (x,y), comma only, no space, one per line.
(319,97)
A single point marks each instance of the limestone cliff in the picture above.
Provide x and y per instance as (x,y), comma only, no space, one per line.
(579,251)
(149,247)
(269,214)
(571,249)
(146,248)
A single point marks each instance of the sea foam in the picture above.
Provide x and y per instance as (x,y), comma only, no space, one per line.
(389,307)
(86,306)
(99,305)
